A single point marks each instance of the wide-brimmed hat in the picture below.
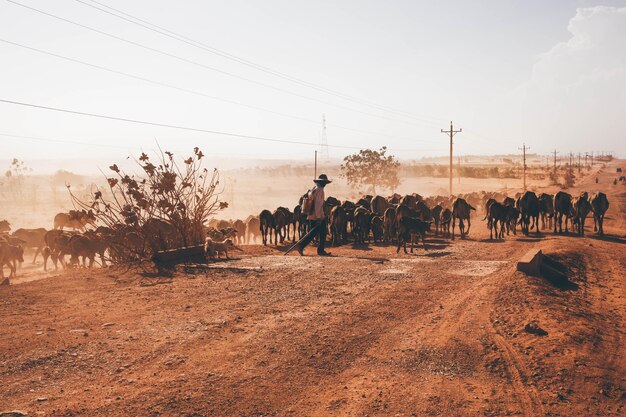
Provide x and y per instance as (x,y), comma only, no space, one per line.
(322,179)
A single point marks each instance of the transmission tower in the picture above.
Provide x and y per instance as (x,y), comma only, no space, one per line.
(324,140)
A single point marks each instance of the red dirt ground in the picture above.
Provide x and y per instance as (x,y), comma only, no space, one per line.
(366,332)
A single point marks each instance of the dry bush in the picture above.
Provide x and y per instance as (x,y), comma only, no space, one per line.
(164,207)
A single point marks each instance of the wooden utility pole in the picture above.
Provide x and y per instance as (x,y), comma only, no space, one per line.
(524,148)
(579,162)
(451,132)
(554,152)
(586,155)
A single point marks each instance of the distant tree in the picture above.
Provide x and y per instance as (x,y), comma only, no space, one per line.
(373,168)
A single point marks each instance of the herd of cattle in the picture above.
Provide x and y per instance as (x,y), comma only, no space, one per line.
(396,219)
(399,219)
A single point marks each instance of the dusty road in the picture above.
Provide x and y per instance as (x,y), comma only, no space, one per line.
(368,332)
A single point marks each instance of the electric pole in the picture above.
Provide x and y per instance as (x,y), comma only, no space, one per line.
(451,132)
(524,148)
(554,152)
(586,155)
(579,162)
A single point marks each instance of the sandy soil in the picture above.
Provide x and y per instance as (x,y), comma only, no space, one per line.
(367,332)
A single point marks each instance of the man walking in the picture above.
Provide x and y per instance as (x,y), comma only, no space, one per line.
(316,217)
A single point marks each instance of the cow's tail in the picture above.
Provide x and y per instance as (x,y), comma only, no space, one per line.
(471,208)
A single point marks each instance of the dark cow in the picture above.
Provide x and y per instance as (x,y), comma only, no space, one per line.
(81,246)
(562,207)
(582,207)
(436,215)
(497,214)
(599,205)
(529,209)
(512,216)
(377,228)
(362,219)
(338,225)
(389,224)
(266,226)
(410,227)
(379,204)
(461,210)
(283,219)
(546,210)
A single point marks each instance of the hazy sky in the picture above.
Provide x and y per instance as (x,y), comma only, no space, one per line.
(551,74)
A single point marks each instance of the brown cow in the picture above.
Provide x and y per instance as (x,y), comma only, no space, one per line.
(32,238)
(5,226)
(252,229)
(75,219)
(10,255)
(240,228)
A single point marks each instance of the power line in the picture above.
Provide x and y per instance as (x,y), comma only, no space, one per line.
(100,144)
(194,92)
(179,127)
(189,41)
(207,67)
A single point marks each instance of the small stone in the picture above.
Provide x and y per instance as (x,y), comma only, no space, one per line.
(108,324)
(41,399)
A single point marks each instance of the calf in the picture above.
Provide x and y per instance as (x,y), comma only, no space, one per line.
(408,228)
(213,249)
(446,220)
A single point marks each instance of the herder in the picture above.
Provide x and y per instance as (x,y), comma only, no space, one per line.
(316,216)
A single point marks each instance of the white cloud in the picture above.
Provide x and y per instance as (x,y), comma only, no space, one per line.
(576,98)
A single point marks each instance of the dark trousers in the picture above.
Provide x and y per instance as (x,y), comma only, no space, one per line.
(320,233)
